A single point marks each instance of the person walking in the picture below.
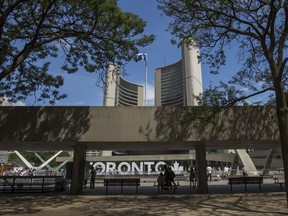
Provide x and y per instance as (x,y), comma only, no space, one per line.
(171,178)
(209,173)
(93,177)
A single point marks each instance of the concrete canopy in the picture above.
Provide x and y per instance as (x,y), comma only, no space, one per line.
(135,128)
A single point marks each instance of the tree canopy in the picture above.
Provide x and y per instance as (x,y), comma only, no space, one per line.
(259,28)
(82,35)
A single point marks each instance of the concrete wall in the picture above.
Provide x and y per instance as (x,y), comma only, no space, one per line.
(111,128)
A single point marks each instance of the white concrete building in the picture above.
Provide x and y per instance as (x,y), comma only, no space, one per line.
(178,84)
(120,92)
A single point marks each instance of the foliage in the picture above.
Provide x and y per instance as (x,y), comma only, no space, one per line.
(259,28)
(81,35)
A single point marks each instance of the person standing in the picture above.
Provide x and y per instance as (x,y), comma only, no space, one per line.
(209,173)
(171,178)
(226,172)
(86,176)
(166,177)
(193,178)
(93,177)
(244,171)
(161,181)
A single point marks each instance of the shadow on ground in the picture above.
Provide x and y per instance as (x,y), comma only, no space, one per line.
(196,204)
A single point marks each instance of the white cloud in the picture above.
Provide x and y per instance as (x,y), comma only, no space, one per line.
(6,103)
(150,95)
(79,103)
(150,92)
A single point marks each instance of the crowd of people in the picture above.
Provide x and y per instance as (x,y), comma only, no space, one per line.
(209,170)
(163,179)
(32,172)
(166,178)
(19,172)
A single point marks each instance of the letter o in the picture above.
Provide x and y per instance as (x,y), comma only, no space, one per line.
(100,164)
(120,168)
(159,164)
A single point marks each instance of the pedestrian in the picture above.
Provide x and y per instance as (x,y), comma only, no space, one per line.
(171,178)
(166,177)
(161,181)
(209,173)
(93,177)
(30,172)
(193,176)
(244,171)
(226,172)
(86,177)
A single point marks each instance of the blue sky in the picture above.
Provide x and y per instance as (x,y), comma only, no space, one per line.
(81,86)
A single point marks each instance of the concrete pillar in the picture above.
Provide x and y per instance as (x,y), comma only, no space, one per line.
(112,74)
(201,165)
(78,169)
(247,162)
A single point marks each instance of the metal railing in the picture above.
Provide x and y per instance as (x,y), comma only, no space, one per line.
(31,184)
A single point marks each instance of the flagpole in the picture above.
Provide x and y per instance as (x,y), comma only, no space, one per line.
(146,74)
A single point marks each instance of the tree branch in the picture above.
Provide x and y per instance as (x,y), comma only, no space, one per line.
(6,13)
(282,42)
(25,52)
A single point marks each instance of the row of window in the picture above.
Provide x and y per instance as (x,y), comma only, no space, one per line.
(172,85)
(127,93)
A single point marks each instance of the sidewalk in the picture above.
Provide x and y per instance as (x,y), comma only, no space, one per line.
(215,187)
(184,201)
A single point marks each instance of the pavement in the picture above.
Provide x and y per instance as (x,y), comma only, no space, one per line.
(271,200)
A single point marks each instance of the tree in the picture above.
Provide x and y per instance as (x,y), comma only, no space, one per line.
(85,35)
(259,27)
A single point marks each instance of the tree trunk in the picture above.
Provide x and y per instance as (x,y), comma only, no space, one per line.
(282,116)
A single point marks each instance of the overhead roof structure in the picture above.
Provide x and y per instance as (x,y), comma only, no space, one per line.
(135,128)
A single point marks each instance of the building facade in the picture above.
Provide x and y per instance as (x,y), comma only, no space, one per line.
(177,84)
(120,92)
(180,83)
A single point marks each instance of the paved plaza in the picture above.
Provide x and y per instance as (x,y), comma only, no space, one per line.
(271,200)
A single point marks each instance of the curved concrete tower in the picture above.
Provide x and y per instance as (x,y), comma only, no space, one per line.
(192,72)
(120,92)
(178,84)
(112,74)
